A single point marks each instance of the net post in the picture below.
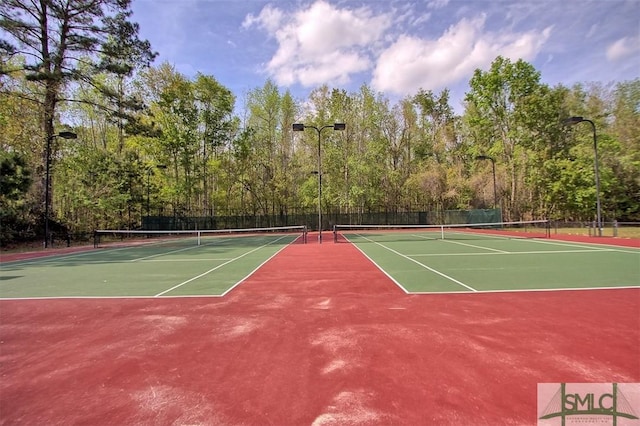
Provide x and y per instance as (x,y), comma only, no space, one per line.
(335,233)
(548,228)
(442,231)
(199,235)
(95,239)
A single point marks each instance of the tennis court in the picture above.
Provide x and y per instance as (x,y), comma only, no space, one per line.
(150,265)
(135,331)
(417,259)
(495,257)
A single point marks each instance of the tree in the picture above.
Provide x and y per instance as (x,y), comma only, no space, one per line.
(215,105)
(625,163)
(67,41)
(15,179)
(504,114)
(436,166)
(271,175)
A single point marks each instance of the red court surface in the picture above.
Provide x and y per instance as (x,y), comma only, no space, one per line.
(317,336)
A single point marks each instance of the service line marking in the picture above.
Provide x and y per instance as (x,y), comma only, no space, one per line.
(217,267)
(460,283)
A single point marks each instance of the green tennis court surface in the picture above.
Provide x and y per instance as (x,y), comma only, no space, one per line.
(169,267)
(418,262)
(423,262)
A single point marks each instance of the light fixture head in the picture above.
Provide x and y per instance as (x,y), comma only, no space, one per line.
(573,120)
(483,157)
(68,135)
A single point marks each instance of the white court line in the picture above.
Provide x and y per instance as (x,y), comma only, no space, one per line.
(378,266)
(465,244)
(474,246)
(420,293)
(177,251)
(421,264)
(251,273)
(197,259)
(164,253)
(217,267)
(55,257)
(512,253)
(89,252)
(201,259)
(529,290)
(595,247)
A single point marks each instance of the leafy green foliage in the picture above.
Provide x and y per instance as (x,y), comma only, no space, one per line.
(15,179)
(188,153)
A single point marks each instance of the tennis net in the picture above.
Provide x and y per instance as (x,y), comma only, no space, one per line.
(112,237)
(469,231)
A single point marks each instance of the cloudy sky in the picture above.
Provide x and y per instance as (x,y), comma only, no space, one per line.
(395,46)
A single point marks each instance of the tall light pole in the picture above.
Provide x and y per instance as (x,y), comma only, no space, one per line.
(299,127)
(493,165)
(575,120)
(47,184)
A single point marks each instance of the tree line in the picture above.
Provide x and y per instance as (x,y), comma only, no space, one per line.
(153,142)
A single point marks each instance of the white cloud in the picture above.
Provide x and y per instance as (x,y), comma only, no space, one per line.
(269,18)
(412,63)
(437,4)
(421,19)
(623,48)
(320,44)
(324,43)
(593,30)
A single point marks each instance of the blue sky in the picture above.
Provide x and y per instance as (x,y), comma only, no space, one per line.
(394,46)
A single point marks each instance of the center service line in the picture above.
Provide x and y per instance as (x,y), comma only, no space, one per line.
(217,267)
(422,264)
